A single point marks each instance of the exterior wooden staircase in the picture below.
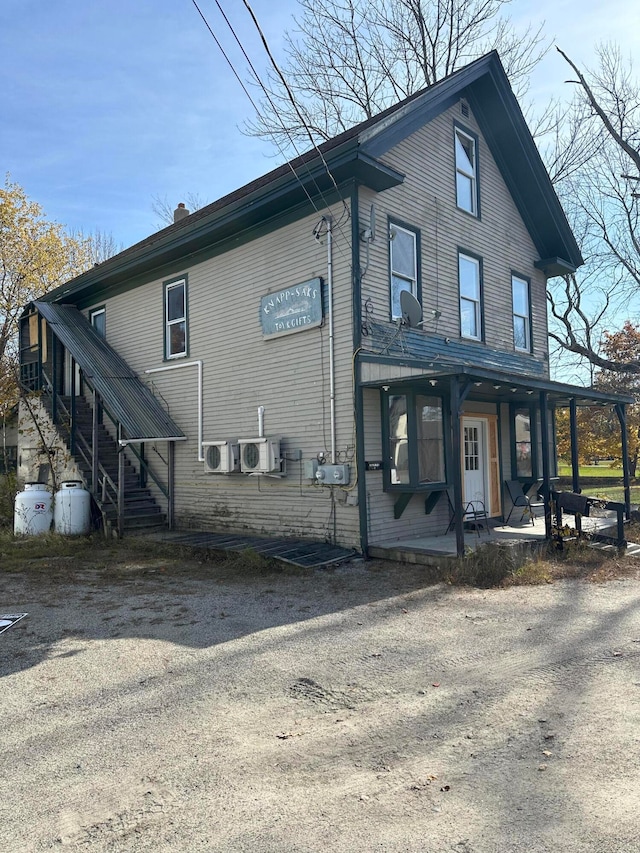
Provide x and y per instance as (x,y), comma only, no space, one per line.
(141,510)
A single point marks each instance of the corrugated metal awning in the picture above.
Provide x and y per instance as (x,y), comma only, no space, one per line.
(127,400)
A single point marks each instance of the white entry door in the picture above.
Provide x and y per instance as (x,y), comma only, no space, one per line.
(474,460)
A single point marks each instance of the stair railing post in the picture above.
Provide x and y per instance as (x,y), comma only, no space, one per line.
(72,431)
(94,445)
(170,483)
(120,484)
(54,383)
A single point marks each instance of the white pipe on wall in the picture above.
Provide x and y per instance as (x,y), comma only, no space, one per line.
(197,364)
(332,369)
(260,421)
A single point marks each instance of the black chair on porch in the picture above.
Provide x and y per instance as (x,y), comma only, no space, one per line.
(474,516)
(519,500)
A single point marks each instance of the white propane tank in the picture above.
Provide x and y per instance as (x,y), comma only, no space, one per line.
(72,509)
(33,510)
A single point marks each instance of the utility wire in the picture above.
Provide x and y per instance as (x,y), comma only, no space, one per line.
(246,91)
(304,164)
(273,106)
(293,103)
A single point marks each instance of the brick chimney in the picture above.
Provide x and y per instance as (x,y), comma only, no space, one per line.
(180,212)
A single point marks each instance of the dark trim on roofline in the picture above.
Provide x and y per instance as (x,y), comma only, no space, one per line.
(245,209)
(352,155)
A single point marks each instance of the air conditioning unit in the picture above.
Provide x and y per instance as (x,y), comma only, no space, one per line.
(221,457)
(260,455)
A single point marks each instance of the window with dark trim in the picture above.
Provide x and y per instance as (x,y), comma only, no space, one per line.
(470,283)
(404,253)
(466,147)
(98,319)
(520,292)
(414,433)
(175,318)
(524,448)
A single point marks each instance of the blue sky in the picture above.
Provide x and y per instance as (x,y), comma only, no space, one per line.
(105,104)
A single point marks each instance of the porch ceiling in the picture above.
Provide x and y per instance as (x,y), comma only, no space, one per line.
(496,387)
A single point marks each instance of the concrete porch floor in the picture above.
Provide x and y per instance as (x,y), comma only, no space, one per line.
(438,550)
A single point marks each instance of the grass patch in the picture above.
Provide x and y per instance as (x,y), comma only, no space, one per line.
(603,469)
(63,555)
(501,565)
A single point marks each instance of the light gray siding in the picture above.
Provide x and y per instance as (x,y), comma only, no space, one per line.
(288,375)
(426,201)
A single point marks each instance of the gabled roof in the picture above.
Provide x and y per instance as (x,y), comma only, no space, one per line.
(128,400)
(354,155)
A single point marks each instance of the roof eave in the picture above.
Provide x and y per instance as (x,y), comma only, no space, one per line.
(553,267)
(318,177)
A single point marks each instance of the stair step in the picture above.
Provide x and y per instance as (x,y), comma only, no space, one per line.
(140,509)
(140,521)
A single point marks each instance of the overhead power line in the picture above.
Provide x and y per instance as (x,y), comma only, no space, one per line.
(256,75)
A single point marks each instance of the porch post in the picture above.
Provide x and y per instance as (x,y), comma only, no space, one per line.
(546,470)
(120,484)
(456,462)
(171,470)
(94,444)
(575,465)
(621,412)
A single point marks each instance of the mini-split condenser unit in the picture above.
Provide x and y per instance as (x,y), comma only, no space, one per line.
(260,455)
(221,457)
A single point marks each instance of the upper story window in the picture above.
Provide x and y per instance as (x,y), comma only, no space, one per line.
(98,318)
(403,264)
(466,172)
(469,276)
(521,313)
(175,318)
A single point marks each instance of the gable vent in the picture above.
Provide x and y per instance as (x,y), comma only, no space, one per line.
(464,109)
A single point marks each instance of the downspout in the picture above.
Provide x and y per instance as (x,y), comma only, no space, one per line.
(357,387)
(332,369)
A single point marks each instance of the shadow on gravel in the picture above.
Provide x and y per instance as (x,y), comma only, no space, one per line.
(177,595)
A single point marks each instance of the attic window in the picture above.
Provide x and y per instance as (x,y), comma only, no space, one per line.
(464,109)
(466,172)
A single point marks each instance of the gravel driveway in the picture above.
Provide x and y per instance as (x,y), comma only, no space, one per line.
(174,707)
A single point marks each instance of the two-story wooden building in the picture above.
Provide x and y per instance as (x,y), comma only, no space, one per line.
(349,348)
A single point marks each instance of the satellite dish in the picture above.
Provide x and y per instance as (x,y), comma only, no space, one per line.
(410,309)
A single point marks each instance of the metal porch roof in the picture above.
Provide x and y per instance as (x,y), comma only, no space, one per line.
(127,400)
(502,387)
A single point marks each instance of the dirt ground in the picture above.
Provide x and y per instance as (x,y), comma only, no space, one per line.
(169,704)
